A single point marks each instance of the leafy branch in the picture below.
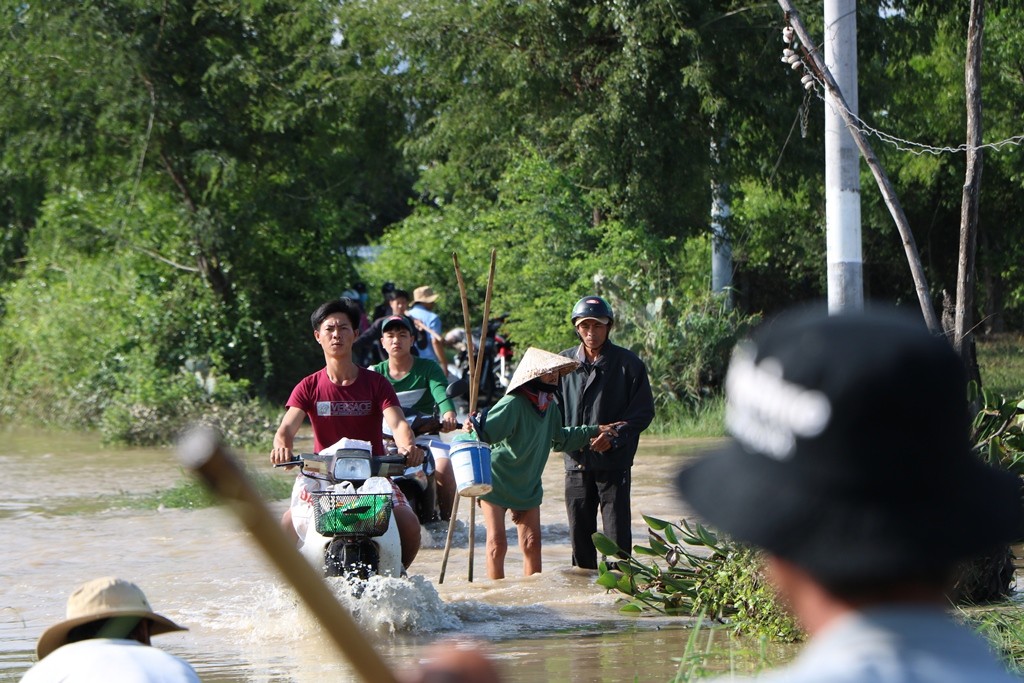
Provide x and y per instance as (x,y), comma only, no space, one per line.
(689,570)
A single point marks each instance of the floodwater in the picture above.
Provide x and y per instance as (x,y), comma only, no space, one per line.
(63,521)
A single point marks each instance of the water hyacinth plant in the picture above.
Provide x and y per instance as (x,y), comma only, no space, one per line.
(689,570)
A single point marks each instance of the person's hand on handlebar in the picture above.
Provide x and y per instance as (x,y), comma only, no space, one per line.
(279,454)
(448,422)
(413,456)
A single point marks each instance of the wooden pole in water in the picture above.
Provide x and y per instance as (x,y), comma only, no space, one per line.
(203,452)
(448,538)
(472,405)
(472,535)
(471,361)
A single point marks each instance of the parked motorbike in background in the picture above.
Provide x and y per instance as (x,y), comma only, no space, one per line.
(497,366)
(419,483)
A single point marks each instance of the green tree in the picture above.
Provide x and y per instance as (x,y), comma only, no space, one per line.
(215,158)
(241,145)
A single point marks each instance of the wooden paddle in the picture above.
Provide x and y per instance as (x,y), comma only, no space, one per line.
(203,452)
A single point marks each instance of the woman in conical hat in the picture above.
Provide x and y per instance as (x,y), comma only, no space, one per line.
(522,428)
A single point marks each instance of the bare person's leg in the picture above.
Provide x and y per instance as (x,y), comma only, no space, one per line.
(288,528)
(497,542)
(528,527)
(408,531)
(445,478)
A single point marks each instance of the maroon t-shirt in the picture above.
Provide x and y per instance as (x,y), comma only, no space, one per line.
(355,411)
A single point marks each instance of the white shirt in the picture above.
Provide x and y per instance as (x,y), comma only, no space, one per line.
(108,660)
(894,645)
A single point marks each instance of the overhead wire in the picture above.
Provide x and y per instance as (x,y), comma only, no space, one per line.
(809,79)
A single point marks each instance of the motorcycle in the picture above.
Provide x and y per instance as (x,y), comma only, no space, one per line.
(497,367)
(419,484)
(353,532)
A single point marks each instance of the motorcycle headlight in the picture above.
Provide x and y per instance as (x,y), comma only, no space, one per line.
(348,466)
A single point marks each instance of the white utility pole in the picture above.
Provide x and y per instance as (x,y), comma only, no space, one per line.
(842,163)
(721,246)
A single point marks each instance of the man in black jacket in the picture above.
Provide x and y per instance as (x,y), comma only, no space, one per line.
(610,386)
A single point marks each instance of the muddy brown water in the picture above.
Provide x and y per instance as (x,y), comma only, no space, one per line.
(63,520)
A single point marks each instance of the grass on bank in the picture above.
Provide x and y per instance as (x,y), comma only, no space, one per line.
(1001,359)
(678,420)
(190,494)
(1004,630)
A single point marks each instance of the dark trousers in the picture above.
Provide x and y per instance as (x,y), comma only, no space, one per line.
(586,493)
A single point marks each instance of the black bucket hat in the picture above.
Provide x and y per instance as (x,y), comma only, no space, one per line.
(850,454)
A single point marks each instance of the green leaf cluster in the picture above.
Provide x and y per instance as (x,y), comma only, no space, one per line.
(997,430)
(690,570)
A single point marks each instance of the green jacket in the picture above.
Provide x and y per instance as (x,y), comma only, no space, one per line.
(521,440)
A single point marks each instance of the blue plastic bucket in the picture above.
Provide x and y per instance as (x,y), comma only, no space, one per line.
(471,463)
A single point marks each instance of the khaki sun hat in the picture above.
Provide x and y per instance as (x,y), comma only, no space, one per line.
(537,363)
(425,294)
(101,599)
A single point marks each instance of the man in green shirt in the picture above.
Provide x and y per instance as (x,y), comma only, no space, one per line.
(420,385)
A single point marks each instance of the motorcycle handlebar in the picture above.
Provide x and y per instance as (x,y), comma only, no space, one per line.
(382,459)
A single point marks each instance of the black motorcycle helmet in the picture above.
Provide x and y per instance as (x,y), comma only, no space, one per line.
(592,307)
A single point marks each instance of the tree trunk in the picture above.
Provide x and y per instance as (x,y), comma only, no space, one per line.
(988,578)
(963,334)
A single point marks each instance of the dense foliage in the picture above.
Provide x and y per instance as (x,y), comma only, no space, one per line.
(692,571)
(182,183)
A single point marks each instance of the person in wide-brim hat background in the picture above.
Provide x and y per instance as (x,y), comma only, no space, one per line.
(106,631)
(850,467)
(522,428)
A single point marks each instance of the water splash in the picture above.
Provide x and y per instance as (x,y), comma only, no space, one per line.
(388,606)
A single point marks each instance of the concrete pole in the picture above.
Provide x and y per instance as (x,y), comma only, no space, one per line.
(842,163)
(721,247)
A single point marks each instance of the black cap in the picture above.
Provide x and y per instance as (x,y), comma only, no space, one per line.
(850,453)
(396,321)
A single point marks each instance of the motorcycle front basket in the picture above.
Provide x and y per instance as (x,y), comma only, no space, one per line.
(351,514)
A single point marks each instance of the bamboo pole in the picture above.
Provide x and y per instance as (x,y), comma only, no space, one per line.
(448,538)
(471,362)
(472,536)
(472,407)
(470,357)
(483,325)
(203,452)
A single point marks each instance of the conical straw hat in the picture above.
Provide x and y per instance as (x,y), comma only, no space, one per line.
(537,363)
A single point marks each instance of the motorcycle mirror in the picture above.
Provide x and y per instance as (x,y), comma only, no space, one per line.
(459,387)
